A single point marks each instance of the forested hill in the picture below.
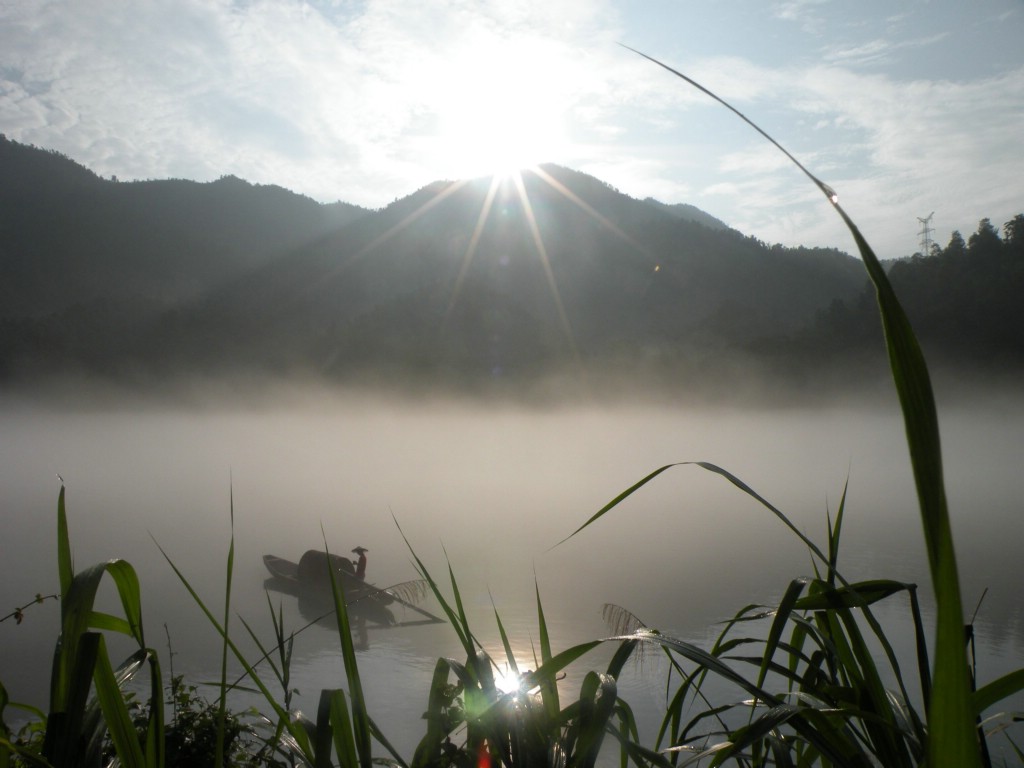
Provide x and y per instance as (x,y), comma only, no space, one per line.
(472,281)
(965,302)
(69,237)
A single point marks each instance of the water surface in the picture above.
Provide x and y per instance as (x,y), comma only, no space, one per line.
(493,488)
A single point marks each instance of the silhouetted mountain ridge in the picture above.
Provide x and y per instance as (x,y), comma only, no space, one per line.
(69,237)
(690,212)
(482,278)
(473,280)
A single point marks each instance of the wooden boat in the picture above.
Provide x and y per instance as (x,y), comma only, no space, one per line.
(310,581)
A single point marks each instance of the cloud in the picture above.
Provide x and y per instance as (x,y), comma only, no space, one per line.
(367,101)
(803,12)
(941,144)
(332,100)
(925,145)
(879,50)
(893,148)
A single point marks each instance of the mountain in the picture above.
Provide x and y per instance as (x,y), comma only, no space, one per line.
(69,237)
(465,280)
(688,212)
(561,271)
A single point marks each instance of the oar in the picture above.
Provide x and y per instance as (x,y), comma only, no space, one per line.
(415,623)
(390,592)
(432,618)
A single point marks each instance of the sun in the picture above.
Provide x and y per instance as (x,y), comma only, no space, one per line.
(500,110)
(506,680)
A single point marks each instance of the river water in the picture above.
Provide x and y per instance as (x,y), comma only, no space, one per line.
(490,489)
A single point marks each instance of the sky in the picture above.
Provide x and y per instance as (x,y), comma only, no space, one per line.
(904,107)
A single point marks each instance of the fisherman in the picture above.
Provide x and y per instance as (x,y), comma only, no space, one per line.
(361,564)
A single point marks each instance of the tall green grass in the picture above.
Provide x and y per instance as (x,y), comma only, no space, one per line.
(86,707)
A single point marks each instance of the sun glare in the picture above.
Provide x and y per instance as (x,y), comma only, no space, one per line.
(506,680)
(499,111)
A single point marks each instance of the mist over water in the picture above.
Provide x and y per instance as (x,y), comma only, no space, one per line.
(495,486)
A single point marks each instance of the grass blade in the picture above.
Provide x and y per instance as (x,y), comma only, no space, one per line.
(341,730)
(360,723)
(549,689)
(834,535)
(115,714)
(509,656)
(78,617)
(786,607)
(596,706)
(992,693)
(65,565)
(429,748)
(222,704)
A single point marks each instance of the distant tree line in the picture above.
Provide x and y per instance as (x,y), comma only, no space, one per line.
(963,300)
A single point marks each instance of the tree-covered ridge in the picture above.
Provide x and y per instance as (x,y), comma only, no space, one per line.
(964,301)
(565,274)
(69,237)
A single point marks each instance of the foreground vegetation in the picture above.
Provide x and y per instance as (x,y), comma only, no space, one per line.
(813,691)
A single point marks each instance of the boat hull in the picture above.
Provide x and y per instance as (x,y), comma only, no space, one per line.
(315,594)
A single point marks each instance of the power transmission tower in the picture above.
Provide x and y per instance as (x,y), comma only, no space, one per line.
(926,234)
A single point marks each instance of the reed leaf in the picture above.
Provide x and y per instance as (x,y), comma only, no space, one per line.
(752,734)
(65,564)
(992,693)
(718,471)
(359,723)
(78,618)
(64,724)
(789,601)
(156,743)
(469,642)
(596,706)
(834,534)
(116,719)
(549,671)
(510,657)
(548,689)
(859,595)
(322,734)
(437,723)
(222,703)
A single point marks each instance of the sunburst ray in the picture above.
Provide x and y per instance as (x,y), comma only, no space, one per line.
(474,241)
(542,251)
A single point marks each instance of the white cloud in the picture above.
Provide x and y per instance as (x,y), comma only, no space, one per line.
(879,50)
(803,12)
(893,149)
(310,99)
(346,99)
